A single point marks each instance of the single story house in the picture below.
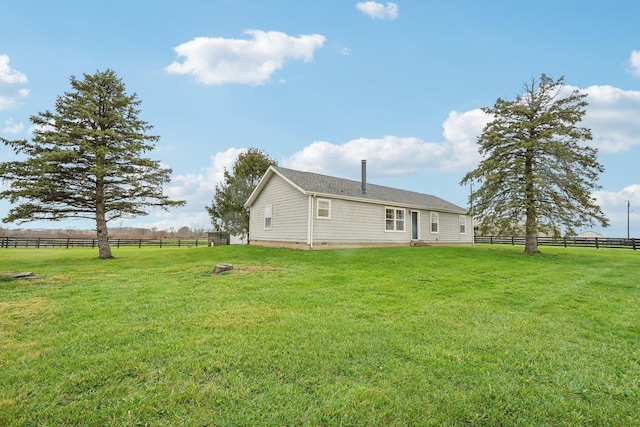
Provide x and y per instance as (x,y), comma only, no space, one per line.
(304,210)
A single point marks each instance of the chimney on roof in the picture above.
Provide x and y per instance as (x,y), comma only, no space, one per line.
(364,177)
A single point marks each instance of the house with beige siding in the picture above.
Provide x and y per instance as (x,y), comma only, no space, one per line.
(306,210)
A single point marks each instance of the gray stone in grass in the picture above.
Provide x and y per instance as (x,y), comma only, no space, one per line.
(25,275)
(221,268)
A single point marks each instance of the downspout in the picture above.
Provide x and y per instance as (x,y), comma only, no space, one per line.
(310,223)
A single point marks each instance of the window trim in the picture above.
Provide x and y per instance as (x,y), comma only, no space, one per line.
(328,209)
(268,215)
(462,224)
(435,215)
(395,220)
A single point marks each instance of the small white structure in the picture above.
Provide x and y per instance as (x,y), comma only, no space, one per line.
(305,210)
(591,235)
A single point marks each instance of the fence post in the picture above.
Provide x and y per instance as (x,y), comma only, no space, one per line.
(597,246)
(513,241)
(634,244)
(178,242)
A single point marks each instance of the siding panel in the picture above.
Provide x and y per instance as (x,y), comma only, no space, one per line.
(448,228)
(289,213)
(353,222)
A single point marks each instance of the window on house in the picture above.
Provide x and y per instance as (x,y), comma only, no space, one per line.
(324,209)
(434,222)
(268,214)
(394,219)
(399,219)
(463,224)
(389,223)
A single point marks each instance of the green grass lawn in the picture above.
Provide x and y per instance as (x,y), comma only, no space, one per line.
(479,335)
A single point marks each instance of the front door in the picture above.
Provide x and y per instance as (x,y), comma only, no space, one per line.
(414,225)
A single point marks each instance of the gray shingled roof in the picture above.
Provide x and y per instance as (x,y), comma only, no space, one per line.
(329,185)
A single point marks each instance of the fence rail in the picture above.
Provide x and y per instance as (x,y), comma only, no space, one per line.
(599,242)
(70,242)
(64,242)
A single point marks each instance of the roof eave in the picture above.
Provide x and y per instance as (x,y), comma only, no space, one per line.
(387,203)
(263,182)
(259,187)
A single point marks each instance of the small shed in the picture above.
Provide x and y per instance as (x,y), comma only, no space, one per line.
(218,238)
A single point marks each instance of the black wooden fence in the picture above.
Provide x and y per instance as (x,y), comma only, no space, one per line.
(591,242)
(64,242)
(69,242)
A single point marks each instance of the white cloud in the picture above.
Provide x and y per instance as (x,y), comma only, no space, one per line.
(11,127)
(393,156)
(612,115)
(10,95)
(634,61)
(8,75)
(344,51)
(619,199)
(461,131)
(614,205)
(378,10)
(218,60)
(197,189)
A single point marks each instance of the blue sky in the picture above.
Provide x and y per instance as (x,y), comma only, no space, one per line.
(320,85)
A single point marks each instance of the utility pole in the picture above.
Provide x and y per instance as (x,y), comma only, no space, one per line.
(628,205)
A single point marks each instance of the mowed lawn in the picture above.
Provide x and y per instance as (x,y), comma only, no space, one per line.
(480,335)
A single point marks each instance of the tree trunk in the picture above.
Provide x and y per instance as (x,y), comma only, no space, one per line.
(104,248)
(531,231)
(531,221)
(101,223)
(531,243)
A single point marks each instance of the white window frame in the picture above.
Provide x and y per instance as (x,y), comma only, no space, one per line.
(387,219)
(395,220)
(327,208)
(436,216)
(268,217)
(462,223)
